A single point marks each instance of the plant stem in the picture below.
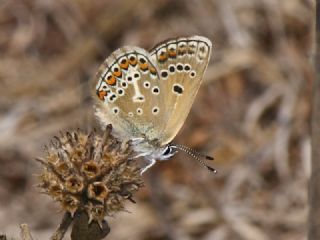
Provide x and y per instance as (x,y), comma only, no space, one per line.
(63,227)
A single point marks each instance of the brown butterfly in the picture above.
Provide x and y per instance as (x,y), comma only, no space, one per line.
(147,96)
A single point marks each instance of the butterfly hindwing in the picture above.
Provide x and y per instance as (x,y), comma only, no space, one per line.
(128,93)
(181,63)
(149,95)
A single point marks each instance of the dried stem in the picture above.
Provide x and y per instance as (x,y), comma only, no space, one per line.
(314,187)
(81,230)
(63,227)
(25,232)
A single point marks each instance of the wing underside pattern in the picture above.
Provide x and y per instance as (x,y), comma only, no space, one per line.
(150,94)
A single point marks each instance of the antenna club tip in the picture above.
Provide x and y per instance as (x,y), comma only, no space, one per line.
(212,169)
(209,158)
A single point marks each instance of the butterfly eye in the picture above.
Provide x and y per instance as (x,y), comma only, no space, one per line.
(167,150)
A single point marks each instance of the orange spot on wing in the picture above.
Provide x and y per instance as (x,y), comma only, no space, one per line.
(192,48)
(124,64)
(143,66)
(172,53)
(101,94)
(191,51)
(133,61)
(163,57)
(111,80)
(153,70)
(182,51)
(117,73)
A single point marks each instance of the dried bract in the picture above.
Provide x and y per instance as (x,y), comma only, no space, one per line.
(87,172)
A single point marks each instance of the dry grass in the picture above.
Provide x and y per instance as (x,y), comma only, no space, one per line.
(252,112)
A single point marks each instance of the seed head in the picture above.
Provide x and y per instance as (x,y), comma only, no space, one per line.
(91,173)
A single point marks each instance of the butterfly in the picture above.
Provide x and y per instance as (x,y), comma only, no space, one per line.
(147,96)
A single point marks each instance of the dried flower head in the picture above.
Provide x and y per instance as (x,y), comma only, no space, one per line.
(86,172)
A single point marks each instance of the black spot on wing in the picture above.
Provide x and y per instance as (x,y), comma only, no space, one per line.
(177,89)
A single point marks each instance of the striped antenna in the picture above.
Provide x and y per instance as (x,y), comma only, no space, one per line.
(196,155)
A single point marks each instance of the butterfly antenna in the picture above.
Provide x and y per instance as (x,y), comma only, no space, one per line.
(194,154)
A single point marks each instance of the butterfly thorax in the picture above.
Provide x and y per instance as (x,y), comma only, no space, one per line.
(152,150)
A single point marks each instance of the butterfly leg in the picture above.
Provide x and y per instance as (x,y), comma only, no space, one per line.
(136,141)
(139,155)
(150,164)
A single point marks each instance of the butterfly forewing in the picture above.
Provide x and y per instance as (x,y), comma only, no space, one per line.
(181,63)
(129,94)
(149,95)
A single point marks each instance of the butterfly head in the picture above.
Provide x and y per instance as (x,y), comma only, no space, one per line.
(152,151)
(168,151)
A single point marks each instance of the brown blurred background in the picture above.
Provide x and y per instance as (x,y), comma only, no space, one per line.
(252,112)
